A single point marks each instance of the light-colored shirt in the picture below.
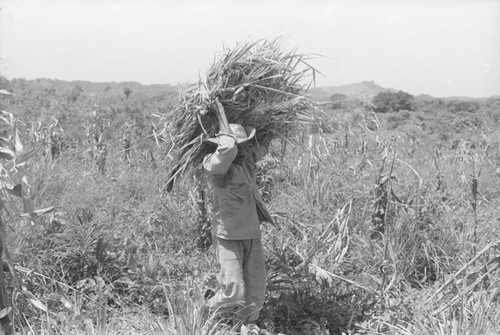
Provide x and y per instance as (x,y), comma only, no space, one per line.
(237,204)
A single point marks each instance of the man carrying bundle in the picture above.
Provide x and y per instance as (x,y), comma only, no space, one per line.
(238,210)
(260,85)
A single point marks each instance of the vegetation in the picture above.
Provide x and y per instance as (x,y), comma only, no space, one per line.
(387,102)
(393,230)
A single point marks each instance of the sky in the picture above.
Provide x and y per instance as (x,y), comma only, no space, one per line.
(440,47)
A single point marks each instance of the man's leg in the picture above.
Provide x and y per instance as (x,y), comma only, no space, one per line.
(254,275)
(231,295)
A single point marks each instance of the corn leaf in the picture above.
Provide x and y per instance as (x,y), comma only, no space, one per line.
(16,190)
(38,212)
(4,312)
(64,298)
(35,301)
(5,92)
(7,154)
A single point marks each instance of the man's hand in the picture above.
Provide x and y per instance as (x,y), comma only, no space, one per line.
(221,116)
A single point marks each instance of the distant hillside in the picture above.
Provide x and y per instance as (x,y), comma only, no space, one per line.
(117,88)
(430,98)
(363,89)
(93,88)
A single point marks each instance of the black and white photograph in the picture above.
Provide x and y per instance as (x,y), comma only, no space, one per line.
(217,167)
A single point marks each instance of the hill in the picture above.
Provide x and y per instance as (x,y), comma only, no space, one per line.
(18,85)
(363,89)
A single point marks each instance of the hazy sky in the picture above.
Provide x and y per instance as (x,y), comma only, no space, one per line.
(439,47)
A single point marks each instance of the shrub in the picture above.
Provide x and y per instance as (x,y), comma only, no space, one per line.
(386,102)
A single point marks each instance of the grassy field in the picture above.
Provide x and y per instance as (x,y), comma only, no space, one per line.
(386,223)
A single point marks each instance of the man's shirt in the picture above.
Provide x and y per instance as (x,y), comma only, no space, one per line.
(237,204)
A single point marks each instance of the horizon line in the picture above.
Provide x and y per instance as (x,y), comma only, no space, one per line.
(187,83)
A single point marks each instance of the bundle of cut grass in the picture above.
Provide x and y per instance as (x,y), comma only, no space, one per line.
(257,83)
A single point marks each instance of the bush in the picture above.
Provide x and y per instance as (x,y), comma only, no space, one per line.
(386,102)
(463,106)
(338,97)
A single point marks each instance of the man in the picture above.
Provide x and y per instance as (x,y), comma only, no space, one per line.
(238,210)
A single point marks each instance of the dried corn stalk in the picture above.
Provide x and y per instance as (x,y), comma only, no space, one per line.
(258,85)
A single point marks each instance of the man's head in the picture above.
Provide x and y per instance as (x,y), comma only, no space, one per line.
(241,133)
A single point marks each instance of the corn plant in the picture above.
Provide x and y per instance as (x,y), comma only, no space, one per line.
(13,184)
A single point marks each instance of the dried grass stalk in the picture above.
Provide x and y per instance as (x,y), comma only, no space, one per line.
(258,85)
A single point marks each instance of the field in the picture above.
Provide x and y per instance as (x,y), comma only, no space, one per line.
(387,223)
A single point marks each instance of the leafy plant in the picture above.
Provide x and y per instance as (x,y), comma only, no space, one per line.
(386,102)
(13,184)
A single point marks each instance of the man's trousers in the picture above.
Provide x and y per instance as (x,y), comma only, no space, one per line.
(242,279)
